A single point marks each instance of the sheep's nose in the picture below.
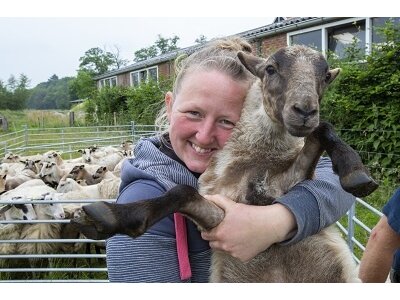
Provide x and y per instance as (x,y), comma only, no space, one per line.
(304,111)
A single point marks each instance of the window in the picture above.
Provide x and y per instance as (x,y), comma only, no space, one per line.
(108,82)
(312,39)
(144,75)
(341,37)
(380,22)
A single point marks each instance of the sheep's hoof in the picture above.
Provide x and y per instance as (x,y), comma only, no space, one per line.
(97,221)
(358,183)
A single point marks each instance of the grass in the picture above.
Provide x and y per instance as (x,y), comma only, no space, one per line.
(17,119)
(56,275)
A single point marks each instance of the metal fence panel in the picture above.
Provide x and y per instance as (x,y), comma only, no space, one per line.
(68,141)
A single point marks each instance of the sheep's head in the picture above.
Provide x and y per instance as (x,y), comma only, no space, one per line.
(15,211)
(293,82)
(99,172)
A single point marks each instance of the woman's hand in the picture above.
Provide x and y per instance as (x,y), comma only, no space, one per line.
(248,230)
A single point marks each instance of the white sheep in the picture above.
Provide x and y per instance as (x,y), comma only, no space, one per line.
(12,212)
(14,181)
(69,189)
(11,158)
(103,173)
(50,211)
(11,168)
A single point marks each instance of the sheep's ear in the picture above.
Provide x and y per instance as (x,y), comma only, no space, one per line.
(80,151)
(81,166)
(37,161)
(333,73)
(5,175)
(104,168)
(254,64)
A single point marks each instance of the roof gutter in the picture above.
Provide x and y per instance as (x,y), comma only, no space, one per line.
(291,27)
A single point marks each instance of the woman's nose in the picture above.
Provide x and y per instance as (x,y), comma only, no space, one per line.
(206,133)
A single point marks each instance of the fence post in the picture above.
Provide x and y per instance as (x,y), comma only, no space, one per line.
(71,119)
(133,130)
(350,227)
(25,136)
(63,139)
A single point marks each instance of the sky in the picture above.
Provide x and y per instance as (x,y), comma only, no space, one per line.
(44,37)
(40,47)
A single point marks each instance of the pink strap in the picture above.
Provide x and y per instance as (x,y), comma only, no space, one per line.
(182,247)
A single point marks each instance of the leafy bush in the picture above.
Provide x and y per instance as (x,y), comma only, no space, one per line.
(140,104)
(364,103)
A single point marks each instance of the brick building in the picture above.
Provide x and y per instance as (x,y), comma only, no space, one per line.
(323,33)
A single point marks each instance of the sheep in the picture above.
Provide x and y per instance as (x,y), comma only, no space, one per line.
(69,189)
(36,189)
(28,173)
(109,187)
(127,154)
(81,173)
(11,212)
(68,231)
(52,156)
(11,168)
(51,173)
(103,173)
(11,158)
(110,160)
(126,145)
(51,211)
(265,156)
(3,183)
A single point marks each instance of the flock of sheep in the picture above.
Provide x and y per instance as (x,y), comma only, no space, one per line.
(49,179)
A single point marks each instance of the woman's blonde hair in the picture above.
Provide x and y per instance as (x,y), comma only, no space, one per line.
(219,55)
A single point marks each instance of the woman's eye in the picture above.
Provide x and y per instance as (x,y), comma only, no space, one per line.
(195,114)
(227,124)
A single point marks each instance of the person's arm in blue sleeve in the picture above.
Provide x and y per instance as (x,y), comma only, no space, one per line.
(151,257)
(316,203)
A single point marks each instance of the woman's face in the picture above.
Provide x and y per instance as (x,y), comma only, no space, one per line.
(202,115)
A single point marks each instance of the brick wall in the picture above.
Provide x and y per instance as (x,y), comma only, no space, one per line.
(166,69)
(271,44)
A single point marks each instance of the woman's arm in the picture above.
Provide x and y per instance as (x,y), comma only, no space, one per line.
(307,208)
(149,258)
(317,203)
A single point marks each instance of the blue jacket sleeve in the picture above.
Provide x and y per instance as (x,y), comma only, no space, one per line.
(317,203)
(146,189)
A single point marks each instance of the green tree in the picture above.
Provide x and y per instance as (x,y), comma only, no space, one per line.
(83,85)
(201,40)
(52,94)
(161,46)
(96,61)
(14,94)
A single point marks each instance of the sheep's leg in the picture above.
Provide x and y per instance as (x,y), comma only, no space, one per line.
(354,176)
(102,220)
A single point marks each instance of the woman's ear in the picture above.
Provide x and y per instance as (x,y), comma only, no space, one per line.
(169,101)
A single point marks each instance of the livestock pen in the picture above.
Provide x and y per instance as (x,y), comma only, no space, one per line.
(89,265)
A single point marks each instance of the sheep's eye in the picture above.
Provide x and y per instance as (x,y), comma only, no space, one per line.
(270,70)
(328,76)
